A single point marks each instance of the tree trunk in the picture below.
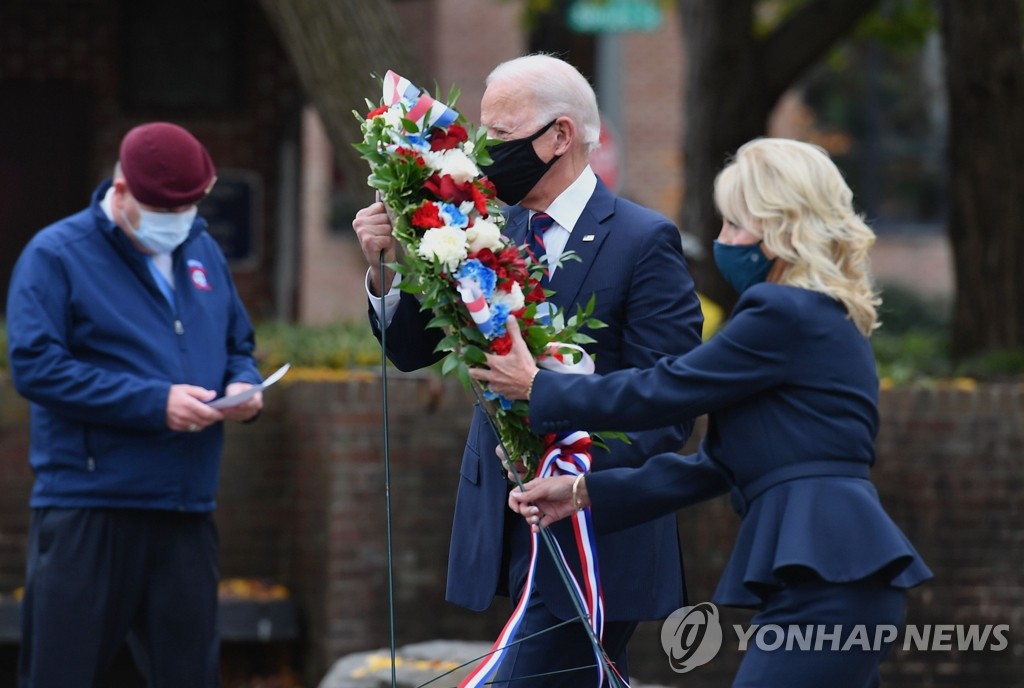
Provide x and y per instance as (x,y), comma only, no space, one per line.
(733,80)
(337,47)
(985,82)
(724,108)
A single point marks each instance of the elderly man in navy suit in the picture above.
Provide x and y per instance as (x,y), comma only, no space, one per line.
(545,114)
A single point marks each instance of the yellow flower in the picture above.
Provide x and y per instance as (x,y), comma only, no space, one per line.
(713,315)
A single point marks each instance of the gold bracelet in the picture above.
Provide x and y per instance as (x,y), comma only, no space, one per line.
(575,491)
(529,389)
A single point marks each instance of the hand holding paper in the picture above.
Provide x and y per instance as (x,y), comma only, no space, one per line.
(236,399)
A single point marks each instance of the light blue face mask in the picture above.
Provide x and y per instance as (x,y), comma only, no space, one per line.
(742,266)
(162,232)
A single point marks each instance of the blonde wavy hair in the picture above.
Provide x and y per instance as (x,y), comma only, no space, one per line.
(792,196)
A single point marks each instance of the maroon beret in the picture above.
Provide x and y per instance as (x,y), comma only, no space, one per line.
(165,166)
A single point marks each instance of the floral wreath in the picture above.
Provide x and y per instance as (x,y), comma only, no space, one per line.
(425,162)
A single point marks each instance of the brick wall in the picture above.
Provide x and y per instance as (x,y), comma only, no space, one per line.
(302,502)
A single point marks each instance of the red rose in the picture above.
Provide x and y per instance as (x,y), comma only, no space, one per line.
(502,345)
(514,264)
(447,189)
(409,153)
(535,293)
(487,257)
(446,140)
(480,199)
(427,216)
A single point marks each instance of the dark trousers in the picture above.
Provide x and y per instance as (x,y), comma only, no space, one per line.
(562,657)
(812,601)
(100,577)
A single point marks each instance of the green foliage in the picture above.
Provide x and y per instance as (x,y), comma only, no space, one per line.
(337,346)
(914,339)
(900,25)
(1001,365)
(909,356)
(903,311)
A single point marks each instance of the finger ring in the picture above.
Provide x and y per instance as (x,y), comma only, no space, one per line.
(193,428)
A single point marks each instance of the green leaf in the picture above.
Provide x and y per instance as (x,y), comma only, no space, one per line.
(473,354)
(448,343)
(462,372)
(442,320)
(450,363)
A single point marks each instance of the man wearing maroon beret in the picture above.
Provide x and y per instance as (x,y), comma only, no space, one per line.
(123,322)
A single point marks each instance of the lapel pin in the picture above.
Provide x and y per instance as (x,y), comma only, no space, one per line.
(588,237)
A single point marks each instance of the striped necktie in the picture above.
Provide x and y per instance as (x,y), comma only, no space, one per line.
(539,223)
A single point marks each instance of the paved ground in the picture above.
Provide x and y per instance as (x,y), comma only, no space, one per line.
(920,262)
(421,664)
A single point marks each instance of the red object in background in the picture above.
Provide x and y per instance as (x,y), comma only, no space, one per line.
(606,158)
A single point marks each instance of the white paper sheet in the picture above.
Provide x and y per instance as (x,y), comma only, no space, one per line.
(236,399)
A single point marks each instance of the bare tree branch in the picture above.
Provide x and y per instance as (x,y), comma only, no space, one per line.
(733,80)
(804,38)
(337,46)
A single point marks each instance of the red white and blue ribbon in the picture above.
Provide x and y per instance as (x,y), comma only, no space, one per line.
(424,110)
(559,359)
(476,303)
(567,455)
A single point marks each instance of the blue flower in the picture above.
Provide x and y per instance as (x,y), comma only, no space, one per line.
(417,142)
(494,396)
(452,216)
(484,276)
(499,314)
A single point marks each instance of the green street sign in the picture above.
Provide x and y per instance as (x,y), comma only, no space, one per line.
(614,16)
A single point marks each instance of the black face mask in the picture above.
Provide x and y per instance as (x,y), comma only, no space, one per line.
(516,169)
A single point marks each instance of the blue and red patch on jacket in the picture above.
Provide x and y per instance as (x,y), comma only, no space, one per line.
(198,274)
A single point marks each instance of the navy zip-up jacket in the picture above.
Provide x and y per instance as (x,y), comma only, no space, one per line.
(95,346)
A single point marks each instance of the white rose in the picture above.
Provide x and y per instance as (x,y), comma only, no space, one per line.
(446,244)
(513,299)
(433,160)
(483,234)
(458,166)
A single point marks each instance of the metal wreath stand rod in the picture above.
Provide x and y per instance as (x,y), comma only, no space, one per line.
(613,678)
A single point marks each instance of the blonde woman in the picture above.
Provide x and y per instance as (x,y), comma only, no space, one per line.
(792,395)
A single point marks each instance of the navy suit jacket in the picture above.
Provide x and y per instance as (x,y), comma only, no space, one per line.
(632,262)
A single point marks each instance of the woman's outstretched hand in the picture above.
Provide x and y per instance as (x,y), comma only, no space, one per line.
(546,500)
(510,375)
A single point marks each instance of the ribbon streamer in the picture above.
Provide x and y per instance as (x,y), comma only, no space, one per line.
(566,455)
(555,360)
(422,108)
(473,296)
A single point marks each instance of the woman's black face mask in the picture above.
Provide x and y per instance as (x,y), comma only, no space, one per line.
(516,168)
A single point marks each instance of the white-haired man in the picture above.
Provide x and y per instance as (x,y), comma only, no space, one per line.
(545,114)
